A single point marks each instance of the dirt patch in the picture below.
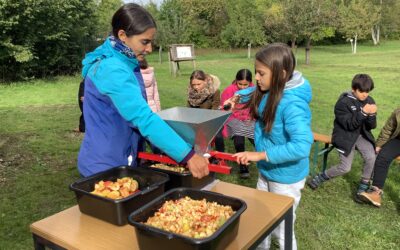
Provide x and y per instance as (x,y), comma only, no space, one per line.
(12,157)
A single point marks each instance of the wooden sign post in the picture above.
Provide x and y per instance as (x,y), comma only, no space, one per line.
(178,53)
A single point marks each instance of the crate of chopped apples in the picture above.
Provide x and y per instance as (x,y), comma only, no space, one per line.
(113,194)
(179,176)
(186,218)
(119,189)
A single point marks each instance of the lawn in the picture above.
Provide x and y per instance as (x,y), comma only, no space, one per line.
(38,149)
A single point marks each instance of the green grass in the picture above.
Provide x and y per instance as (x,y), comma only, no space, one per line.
(38,149)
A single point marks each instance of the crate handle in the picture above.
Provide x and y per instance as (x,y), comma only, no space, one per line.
(149,189)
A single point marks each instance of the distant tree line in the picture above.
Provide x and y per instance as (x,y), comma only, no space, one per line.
(42,38)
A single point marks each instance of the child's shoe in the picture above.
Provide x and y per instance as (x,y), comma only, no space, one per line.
(317,180)
(362,187)
(244,172)
(373,196)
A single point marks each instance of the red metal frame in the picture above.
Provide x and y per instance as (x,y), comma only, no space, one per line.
(221,167)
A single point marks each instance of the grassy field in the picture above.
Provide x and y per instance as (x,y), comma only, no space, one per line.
(38,149)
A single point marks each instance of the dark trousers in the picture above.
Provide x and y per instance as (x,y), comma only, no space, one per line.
(387,154)
(81,118)
(219,142)
(238,142)
(81,94)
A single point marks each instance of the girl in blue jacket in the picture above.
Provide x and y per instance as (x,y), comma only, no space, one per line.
(283,136)
(117,115)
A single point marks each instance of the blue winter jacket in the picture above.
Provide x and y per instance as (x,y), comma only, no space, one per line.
(288,144)
(117,114)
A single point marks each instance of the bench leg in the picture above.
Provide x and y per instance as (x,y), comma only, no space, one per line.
(325,156)
(315,159)
(326,151)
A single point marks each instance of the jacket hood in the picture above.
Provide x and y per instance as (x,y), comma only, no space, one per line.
(301,85)
(216,83)
(149,70)
(148,76)
(102,52)
(349,94)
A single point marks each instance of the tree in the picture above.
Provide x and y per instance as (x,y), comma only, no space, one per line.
(276,26)
(205,20)
(318,23)
(44,37)
(389,20)
(356,20)
(104,11)
(311,20)
(245,24)
(171,23)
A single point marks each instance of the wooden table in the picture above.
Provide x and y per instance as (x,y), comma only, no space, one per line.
(70,229)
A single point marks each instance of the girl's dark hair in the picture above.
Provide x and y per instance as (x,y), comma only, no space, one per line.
(198,74)
(279,58)
(143,64)
(133,19)
(244,74)
(362,82)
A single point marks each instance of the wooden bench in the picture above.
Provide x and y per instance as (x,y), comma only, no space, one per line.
(327,142)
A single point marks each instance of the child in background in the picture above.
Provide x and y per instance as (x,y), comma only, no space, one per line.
(283,136)
(150,83)
(203,92)
(240,124)
(81,128)
(153,98)
(355,117)
(387,148)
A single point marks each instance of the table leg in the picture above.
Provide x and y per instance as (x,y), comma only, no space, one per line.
(40,243)
(289,229)
(288,218)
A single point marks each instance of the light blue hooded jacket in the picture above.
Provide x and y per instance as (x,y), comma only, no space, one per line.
(117,114)
(288,144)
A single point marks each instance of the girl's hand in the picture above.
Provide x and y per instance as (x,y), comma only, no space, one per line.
(198,166)
(247,157)
(229,104)
(377,149)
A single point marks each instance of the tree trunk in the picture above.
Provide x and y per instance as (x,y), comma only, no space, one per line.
(355,44)
(378,33)
(293,43)
(375,32)
(308,47)
(373,35)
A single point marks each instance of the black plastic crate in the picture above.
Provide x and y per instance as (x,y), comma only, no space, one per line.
(151,185)
(177,180)
(153,238)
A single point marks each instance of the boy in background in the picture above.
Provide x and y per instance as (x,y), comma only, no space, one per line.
(355,117)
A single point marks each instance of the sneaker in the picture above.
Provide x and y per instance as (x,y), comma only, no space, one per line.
(244,172)
(373,196)
(363,187)
(316,181)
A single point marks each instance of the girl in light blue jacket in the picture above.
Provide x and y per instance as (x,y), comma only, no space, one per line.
(283,136)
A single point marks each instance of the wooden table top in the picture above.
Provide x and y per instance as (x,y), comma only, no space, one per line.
(73,230)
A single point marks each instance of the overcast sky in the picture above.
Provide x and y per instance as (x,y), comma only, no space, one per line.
(142,2)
